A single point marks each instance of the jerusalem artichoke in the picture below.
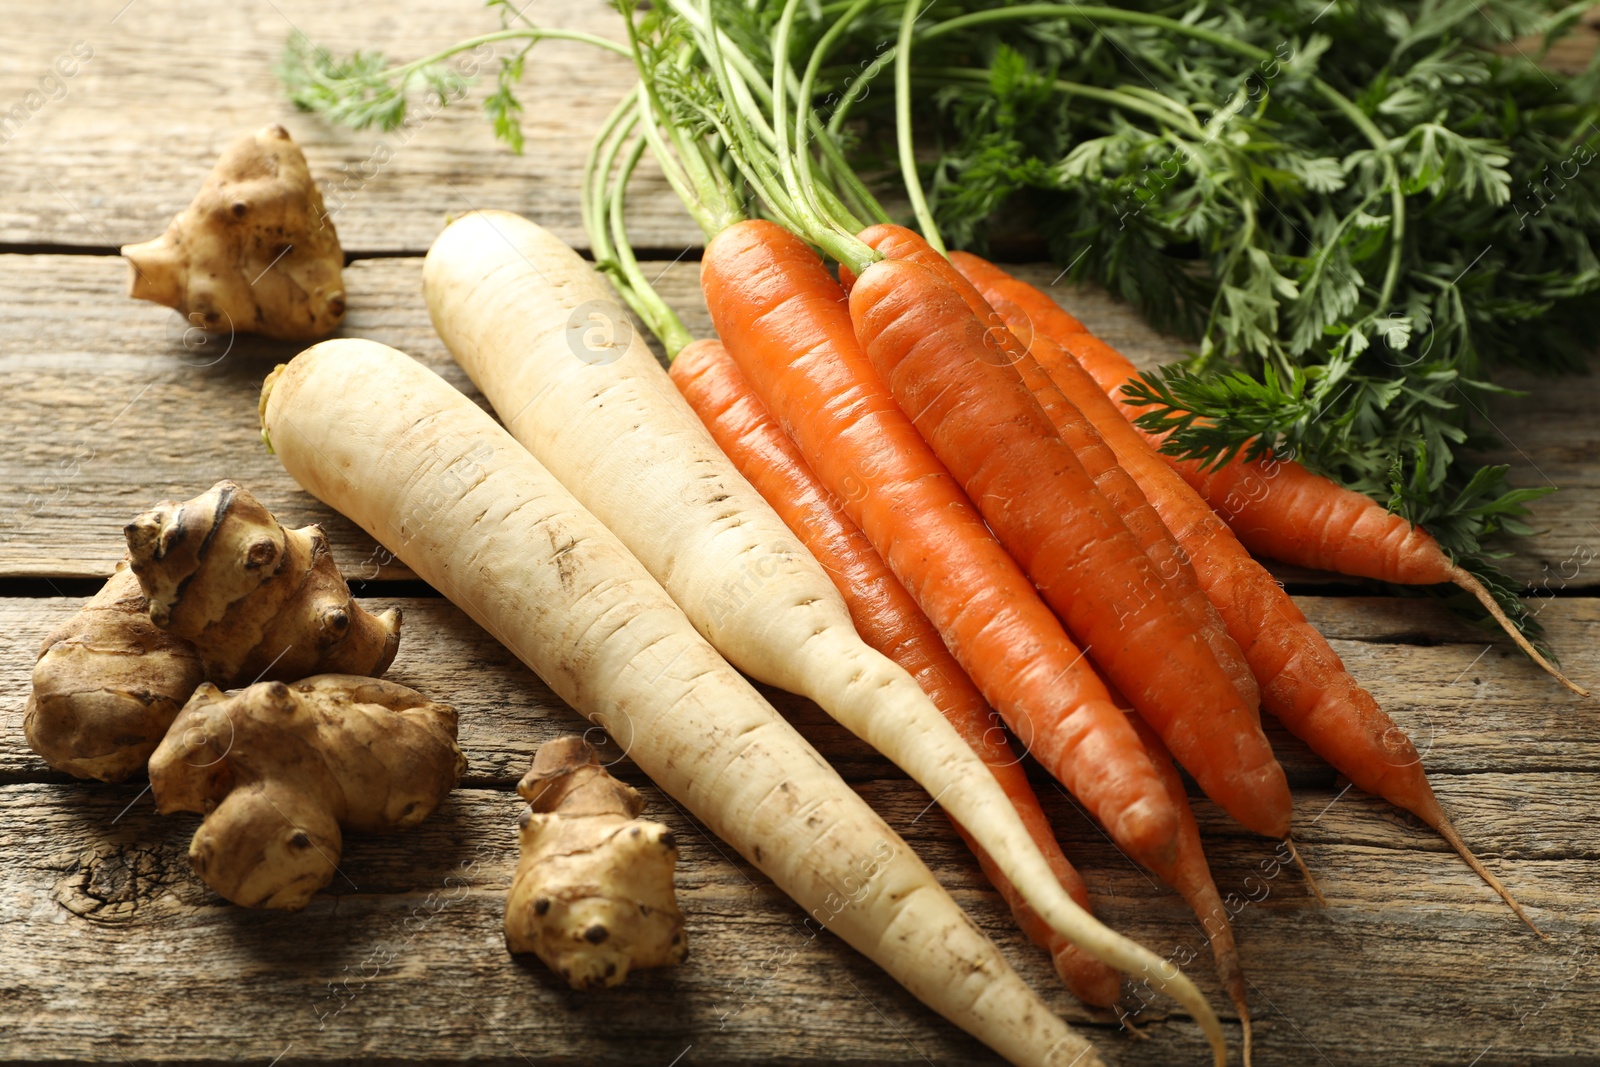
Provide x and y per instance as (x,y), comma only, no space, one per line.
(277,769)
(107,685)
(257,600)
(593,893)
(255,252)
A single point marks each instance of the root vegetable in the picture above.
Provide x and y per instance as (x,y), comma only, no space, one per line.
(984,424)
(888,620)
(277,769)
(592,896)
(255,252)
(1091,450)
(107,685)
(257,600)
(782,317)
(540,332)
(1303,681)
(1274,506)
(429,473)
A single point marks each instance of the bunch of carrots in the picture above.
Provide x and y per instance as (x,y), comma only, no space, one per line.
(955,448)
(957,453)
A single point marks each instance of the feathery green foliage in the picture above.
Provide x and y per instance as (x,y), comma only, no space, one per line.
(1354,211)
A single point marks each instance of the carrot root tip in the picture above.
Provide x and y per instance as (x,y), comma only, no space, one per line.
(1305,872)
(1472,585)
(1128,1024)
(1447,831)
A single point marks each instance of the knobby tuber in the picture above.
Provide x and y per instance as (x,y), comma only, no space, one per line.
(255,252)
(257,600)
(277,769)
(107,685)
(592,896)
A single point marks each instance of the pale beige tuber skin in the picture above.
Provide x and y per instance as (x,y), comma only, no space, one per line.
(593,895)
(256,599)
(107,685)
(255,252)
(277,769)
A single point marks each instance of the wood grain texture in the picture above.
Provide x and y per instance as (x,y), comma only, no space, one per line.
(107,156)
(401,960)
(119,953)
(113,404)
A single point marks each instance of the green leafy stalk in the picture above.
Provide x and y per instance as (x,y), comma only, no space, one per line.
(1354,212)
(902,126)
(626,274)
(604,219)
(363,89)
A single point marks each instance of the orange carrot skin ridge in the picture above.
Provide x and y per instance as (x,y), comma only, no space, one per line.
(1279,509)
(888,620)
(1074,428)
(1303,681)
(982,421)
(783,319)
(1276,507)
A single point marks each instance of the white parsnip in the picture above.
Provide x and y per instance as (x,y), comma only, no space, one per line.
(546,340)
(423,469)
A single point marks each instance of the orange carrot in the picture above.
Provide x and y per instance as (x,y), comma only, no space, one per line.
(1279,509)
(1303,681)
(983,423)
(898,242)
(784,321)
(888,620)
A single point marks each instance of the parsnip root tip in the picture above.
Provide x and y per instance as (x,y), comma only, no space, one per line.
(1305,872)
(1476,588)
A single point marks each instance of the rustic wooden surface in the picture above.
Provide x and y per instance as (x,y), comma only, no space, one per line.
(171,82)
(116,953)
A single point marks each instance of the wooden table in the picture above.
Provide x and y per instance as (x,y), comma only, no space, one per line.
(114,952)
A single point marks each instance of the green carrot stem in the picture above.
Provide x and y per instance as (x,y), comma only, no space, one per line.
(850,186)
(592,199)
(902,128)
(1171,114)
(639,293)
(533,33)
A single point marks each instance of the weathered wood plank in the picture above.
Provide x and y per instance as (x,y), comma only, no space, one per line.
(1472,706)
(1432,915)
(108,155)
(119,953)
(112,406)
